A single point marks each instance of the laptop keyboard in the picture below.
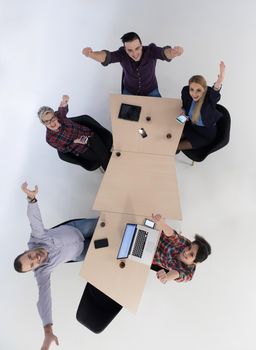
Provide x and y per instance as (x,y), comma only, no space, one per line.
(139,243)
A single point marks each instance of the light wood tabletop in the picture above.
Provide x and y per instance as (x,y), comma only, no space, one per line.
(162,113)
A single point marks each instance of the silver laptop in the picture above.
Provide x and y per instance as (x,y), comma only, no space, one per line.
(139,243)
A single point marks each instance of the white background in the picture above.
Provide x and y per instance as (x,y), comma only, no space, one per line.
(41,43)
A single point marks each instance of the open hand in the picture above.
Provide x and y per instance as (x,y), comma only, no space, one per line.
(30,193)
(64,101)
(222,72)
(157,217)
(48,340)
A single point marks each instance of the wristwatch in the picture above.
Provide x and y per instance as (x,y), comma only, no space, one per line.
(32,200)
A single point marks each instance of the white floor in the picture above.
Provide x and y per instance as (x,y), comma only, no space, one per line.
(41,43)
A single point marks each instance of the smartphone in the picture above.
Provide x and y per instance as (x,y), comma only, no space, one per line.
(143,132)
(101,243)
(149,223)
(84,139)
(182,119)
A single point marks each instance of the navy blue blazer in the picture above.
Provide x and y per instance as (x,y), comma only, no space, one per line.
(208,112)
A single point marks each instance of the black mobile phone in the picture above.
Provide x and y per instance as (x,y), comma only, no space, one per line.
(100,243)
(143,132)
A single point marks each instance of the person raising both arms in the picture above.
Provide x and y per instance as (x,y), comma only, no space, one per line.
(138,63)
(47,249)
(176,257)
(199,104)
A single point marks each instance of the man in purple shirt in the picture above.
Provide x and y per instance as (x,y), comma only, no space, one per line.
(138,63)
(47,249)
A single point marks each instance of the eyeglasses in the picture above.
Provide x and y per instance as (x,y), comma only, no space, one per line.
(49,121)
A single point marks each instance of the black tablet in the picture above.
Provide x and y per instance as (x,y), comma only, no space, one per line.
(129,112)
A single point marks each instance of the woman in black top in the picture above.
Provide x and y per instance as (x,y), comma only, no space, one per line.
(199,105)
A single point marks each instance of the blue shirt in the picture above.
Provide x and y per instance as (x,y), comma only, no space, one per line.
(190,114)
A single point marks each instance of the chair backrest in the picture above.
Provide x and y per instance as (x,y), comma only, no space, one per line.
(96,310)
(103,133)
(221,140)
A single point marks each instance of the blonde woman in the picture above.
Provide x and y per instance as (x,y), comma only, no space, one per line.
(199,105)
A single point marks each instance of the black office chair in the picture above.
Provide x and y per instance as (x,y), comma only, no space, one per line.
(104,134)
(96,310)
(221,140)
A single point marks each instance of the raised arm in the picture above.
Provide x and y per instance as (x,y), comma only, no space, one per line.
(99,56)
(33,211)
(44,306)
(64,101)
(162,226)
(172,52)
(63,108)
(218,83)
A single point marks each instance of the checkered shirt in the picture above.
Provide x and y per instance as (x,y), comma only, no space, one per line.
(63,139)
(167,253)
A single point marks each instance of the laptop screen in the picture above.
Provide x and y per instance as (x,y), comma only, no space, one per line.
(127,241)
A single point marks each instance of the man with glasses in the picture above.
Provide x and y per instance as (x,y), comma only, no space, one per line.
(47,249)
(69,137)
(138,63)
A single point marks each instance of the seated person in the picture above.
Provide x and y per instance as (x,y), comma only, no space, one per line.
(138,63)
(199,104)
(68,136)
(176,257)
(47,249)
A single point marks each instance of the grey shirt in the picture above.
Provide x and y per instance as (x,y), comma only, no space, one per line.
(62,243)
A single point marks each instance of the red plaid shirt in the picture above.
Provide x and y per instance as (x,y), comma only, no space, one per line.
(167,253)
(63,139)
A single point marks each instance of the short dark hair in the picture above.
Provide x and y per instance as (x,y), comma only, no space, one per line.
(17,264)
(130,37)
(204,248)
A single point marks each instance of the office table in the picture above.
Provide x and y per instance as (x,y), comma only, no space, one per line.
(101,268)
(140,184)
(140,180)
(163,113)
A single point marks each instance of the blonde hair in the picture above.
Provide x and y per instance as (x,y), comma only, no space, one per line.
(198,79)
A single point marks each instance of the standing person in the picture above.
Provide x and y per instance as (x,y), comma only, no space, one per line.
(47,249)
(68,136)
(176,257)
(199,104)
(138,63)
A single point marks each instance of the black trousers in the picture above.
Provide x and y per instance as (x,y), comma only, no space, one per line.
(97,152)
(95,156)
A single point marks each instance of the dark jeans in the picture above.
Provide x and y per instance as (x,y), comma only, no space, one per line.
(86,227)
(153,93)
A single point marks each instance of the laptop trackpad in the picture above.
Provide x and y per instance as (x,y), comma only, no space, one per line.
(149,247)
